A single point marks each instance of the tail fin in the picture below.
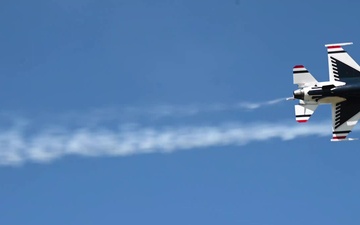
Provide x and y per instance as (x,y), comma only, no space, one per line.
(304,112)
(302,77)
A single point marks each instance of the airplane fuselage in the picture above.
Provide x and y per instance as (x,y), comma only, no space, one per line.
(326,92)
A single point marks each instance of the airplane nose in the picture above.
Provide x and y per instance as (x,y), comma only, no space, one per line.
(299,94)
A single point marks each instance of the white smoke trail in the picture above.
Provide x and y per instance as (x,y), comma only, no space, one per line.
(256,105)
(164,110)
(18,147)
(194,109)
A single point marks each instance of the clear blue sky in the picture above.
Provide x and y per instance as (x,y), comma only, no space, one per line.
(64,62)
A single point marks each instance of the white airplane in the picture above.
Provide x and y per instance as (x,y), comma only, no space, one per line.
(342,91)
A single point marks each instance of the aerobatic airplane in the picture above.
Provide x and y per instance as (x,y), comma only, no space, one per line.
(342,91)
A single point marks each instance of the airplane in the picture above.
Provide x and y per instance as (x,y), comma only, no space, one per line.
(342,91)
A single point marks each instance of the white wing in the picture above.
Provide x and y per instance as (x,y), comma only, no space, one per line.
(345,116)
(341,65)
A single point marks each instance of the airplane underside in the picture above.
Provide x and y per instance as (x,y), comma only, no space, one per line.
(342,91)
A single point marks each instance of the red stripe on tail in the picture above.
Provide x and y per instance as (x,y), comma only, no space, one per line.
(298,66)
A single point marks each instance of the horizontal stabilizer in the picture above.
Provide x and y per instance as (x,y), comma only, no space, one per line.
(304,112)
(302,76)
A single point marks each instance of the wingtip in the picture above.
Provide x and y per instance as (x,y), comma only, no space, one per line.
(345,139)
(338,44)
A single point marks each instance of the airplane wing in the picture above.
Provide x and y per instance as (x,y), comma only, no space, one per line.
(345,115)
(341,65)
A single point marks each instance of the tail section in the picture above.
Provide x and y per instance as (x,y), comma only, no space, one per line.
(302,77)
(304,112)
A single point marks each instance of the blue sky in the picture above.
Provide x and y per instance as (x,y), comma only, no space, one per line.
(136,112)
